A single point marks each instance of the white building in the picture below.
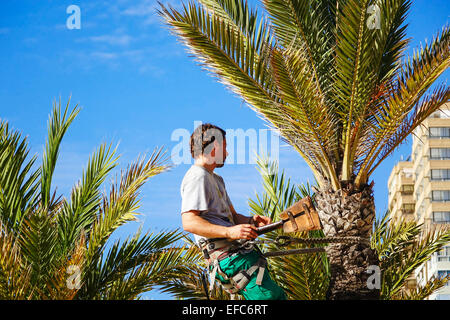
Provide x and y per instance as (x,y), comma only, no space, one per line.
(425,196)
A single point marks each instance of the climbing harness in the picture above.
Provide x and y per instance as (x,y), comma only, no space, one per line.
(215,250)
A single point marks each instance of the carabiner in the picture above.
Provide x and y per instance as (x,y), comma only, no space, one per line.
(283,241)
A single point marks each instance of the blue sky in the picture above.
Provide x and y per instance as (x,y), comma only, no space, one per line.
(136,85)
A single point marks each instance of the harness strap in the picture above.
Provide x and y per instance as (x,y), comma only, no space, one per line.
(218,249)
(241,279)
(212,278)
(262,262)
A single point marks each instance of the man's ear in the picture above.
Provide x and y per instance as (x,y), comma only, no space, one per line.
(216,147)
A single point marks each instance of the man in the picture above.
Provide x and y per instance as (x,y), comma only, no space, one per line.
(208,213)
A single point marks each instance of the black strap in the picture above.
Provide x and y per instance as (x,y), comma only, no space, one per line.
(205,286)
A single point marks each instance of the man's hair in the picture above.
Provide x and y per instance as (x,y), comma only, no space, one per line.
(204,135)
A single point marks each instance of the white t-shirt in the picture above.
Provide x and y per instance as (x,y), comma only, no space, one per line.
(205,192)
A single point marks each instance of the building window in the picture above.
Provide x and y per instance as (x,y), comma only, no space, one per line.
(443,274)
(441,216)
(439,132)
(444,254)
(440,174)
(408,208)
(440,195)
(440,153)
(407,189)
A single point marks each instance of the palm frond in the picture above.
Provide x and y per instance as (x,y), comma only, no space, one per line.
(305,110)
(66,281)
(402,248)
(123,258)
(228,54)
(405,95)
(318,71)
(162,265)
(382,47)
(355,74)
(85,200)
(38,242)
(279,192)
(123,201)
(14,272)
(239,16)
(393,41)
(18,182)
(422,292)
(121,206)
(421,110)
(57,126)
(51,248)
(187,282)
(303,277)
(307,26)
(389,238)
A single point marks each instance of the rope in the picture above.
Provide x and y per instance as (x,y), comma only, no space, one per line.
(292,251)
(283,241)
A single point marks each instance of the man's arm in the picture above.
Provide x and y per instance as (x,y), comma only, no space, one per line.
(239,218)
(192,222)
(257,220)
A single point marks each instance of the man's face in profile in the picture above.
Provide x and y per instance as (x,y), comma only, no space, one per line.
(221,153)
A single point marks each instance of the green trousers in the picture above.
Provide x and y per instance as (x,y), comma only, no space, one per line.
(268,290)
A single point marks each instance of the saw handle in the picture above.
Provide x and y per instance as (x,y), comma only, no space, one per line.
(269,227)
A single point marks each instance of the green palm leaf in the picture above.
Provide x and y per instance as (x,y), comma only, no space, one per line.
(407,96)
(52,248)
(120,207)
(14,272)
(227,52)
(85,200)
(57,127)
(421,293)
(123,258)
(307,26)
(330,82)
(186,281)
(122,203)
(18,183)
(38,245)
(402,248)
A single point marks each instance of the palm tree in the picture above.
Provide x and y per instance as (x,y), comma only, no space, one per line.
(332,78)
(56,248)
(401,248)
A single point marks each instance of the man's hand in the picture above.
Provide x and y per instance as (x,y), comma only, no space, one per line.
(261,220)
(242,231)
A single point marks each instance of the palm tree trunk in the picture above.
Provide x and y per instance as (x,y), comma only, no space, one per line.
(347,212)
